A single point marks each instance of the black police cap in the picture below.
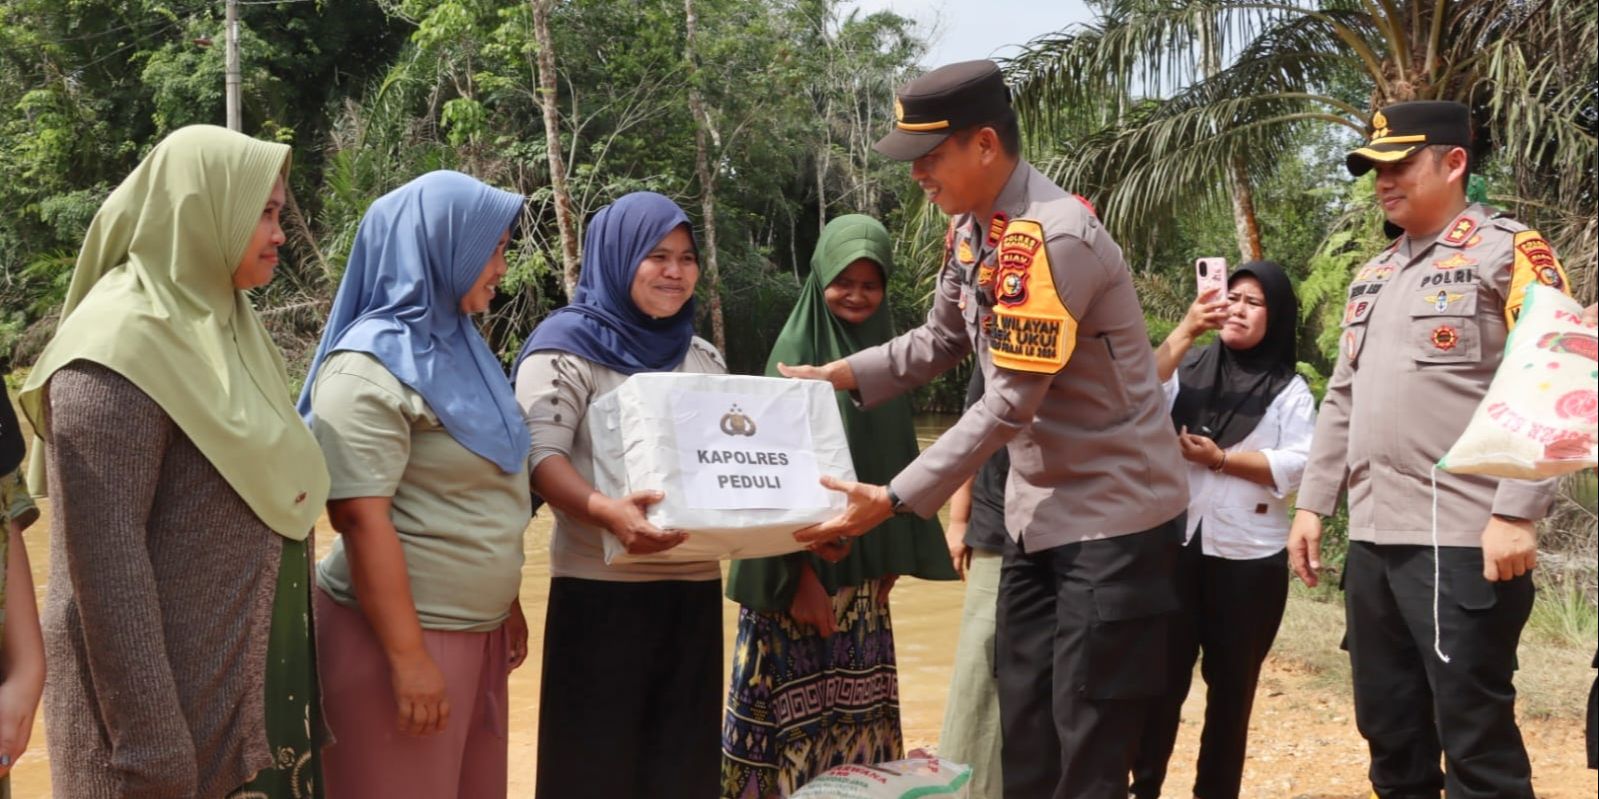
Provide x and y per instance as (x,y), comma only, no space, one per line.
(1399,130)
(948,99)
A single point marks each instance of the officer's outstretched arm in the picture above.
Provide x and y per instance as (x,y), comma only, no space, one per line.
(868,507)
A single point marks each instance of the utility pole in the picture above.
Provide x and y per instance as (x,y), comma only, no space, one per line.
(232,81)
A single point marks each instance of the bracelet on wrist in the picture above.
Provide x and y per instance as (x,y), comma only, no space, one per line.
(1221,464)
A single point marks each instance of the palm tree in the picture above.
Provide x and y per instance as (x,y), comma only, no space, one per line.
(1197,125)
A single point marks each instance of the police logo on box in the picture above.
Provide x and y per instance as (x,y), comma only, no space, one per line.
(736,423)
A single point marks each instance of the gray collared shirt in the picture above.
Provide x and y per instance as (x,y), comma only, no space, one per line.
(1070,375)
(1424,332)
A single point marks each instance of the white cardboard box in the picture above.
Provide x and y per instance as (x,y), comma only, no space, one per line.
(738,458)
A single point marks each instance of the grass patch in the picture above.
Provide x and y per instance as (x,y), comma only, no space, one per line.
(1555,654)
(1312,629)
(1563,615)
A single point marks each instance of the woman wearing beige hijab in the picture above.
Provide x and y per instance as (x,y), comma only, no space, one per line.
(184,488)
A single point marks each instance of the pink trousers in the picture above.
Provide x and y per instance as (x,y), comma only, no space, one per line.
(372,759)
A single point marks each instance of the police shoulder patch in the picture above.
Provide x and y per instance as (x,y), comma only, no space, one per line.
(1031,330)
(1534,261)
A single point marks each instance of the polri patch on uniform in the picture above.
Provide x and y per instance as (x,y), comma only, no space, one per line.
(1441,300)
(1445,337)
(1455,261)
(1353,337)
(963,252)
(985,282)
(1535,262)
(1030,330)
(1461,231)
(1545,269)
(1016,255)
(1381,271)
(1356,311)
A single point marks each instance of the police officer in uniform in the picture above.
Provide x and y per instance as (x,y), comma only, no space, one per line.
(1424,330)
(1034,285)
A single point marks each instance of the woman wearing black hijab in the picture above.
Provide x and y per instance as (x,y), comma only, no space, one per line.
(1244,421)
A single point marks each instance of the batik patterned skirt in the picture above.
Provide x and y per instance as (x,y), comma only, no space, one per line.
(799,704)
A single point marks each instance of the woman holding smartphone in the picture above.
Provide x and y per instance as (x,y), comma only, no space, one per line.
(1244,421)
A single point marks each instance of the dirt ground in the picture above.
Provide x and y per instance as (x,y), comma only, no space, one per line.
(1303,740)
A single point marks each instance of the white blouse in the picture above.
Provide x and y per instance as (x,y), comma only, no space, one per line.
(1245,520)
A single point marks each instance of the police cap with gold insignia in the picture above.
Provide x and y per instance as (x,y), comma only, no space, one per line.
(1401,129)
(948,99)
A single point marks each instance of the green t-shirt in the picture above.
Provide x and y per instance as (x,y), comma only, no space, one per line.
(460,519)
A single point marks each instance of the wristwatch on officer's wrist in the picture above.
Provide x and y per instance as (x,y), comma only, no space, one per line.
(896,504)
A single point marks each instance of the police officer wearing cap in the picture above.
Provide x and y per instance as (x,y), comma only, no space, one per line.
(1034,285)
(1424,330)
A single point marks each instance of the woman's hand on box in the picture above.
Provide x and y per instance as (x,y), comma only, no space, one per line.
(812,606)
(625,519)
(836,372)
(868,507)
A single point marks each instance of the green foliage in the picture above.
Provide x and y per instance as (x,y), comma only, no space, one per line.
(1162,104)
(88,86)
(1128,111)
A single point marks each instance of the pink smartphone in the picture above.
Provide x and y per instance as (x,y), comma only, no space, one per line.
(1211,273)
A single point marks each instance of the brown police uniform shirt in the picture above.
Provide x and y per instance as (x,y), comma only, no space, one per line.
(1045,300)
(1424,330)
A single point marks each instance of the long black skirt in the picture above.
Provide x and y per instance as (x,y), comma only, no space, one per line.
(631,701)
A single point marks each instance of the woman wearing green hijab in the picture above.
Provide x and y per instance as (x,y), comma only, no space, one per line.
(184,488)
(814,683)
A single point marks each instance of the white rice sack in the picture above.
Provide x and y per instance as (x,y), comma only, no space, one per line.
(739,459)
(916,778)
(1541,415)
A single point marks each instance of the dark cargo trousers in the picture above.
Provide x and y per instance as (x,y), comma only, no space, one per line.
(1081,654)
(1410,705)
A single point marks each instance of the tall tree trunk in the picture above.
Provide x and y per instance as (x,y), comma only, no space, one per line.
(707,178)
(1245,225)
(552,138)
(821,190)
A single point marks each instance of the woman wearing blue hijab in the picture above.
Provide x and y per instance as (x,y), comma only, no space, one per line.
(631,698)
(419,624)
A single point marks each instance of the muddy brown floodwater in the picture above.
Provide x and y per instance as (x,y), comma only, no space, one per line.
(1303,740)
